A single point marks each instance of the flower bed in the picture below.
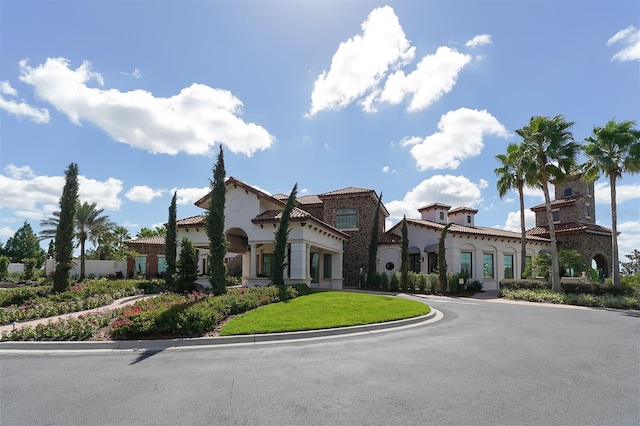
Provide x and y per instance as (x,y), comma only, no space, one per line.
(548,296)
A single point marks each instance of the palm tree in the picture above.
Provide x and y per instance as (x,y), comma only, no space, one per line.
(515,172)
(612,149)
(89,224)
(550,144)
(121,235)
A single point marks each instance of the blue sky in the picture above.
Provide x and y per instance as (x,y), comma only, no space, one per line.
(413,99)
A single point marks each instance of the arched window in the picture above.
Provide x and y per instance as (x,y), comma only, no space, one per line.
(346,219)
(568,192)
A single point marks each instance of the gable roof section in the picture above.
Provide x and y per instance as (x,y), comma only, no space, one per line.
(297,215)
(434,206)
(463,210)
(478,231)
(191,221)
(202,202)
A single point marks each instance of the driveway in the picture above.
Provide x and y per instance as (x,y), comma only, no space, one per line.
(485,363)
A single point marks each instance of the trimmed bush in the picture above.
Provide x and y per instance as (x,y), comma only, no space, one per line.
(527,284)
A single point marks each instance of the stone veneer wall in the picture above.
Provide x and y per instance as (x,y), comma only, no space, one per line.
(152,252)
(356,249)
(588,245)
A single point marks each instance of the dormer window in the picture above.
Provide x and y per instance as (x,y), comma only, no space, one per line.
(468,218)
(568,192)
(346,219)
(441,215)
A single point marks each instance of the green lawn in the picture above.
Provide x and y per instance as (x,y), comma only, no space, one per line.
(324,309)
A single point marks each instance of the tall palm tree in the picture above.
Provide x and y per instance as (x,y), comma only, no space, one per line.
(549,142)
(89,224)
(515,172)
(612,149)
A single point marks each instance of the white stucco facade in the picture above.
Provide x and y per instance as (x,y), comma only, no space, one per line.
(315,250)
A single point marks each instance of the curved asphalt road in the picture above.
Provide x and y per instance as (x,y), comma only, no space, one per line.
(485,363)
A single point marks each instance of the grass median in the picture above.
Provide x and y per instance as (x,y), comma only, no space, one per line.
(324,309)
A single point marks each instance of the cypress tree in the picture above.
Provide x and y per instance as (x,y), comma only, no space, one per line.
(65,229)
(170,247)
(442,262)
(281,235)
(187,267)
(215,228)
(404,255)
(373,246)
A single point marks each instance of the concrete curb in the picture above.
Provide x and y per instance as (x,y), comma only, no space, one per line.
(223,341)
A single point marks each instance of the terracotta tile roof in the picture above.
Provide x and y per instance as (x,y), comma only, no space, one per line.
(570,227)
(463,209)
(193,220)
(556,203)
(238,183)
(388,238)
(351,190)
(309,199)
(472,230)
(271,215)
(148,241)
(434,205)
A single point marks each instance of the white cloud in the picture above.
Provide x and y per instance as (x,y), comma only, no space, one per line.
(21,109)
(190,195)
(16,172)
(479,40)
(136,73)
(143,194)
(483,184)
(513,220)
(385,169)
(434,76)
(630,38)
(456,191)
(629,238)
(6,89)
(460,136)
(361,62)
(6,232)
(624,192)
(192,121)
(35,197)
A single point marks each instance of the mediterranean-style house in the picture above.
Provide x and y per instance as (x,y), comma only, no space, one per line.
(330,234)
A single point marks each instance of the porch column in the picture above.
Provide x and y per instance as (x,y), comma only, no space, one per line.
(253,262)
(299,253)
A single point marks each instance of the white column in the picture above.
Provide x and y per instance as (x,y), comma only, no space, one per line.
(299,254)
(253,263)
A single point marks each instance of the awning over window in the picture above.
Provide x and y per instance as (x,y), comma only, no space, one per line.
(414,250)
(431,247)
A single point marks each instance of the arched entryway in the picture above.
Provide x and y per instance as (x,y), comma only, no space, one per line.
(599,262)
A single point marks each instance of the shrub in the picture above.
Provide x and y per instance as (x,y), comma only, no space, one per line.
(452,280)
(594,289)
(152,286)
(474,285)
(29,268)
(4,266)
(384,281)
(432,283)
(526,284)
(233,281)
(422,283)
(395,282)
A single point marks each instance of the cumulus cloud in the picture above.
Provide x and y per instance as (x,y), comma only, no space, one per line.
(361,63)
(460,136)
(192,121)
(628,238)
(479,40)
(513,220)
(6,89)
(624,192)
(6,232)
(385,169)
(630,39)
(434,76)
(456,191)
(190,195)
(35,197)
(143,194)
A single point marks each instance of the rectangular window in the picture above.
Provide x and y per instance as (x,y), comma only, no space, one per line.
(162,265)
(587,211)
(346,219)
(508,266)
(267,264)
(441,215)
(468,218)
(465,263)
(556,216)
(326,265)
(487,265)
(140,267)
(414,262)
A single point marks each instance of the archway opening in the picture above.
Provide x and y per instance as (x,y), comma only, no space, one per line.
(599,263)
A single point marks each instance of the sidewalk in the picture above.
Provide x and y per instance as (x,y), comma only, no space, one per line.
(118,303)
